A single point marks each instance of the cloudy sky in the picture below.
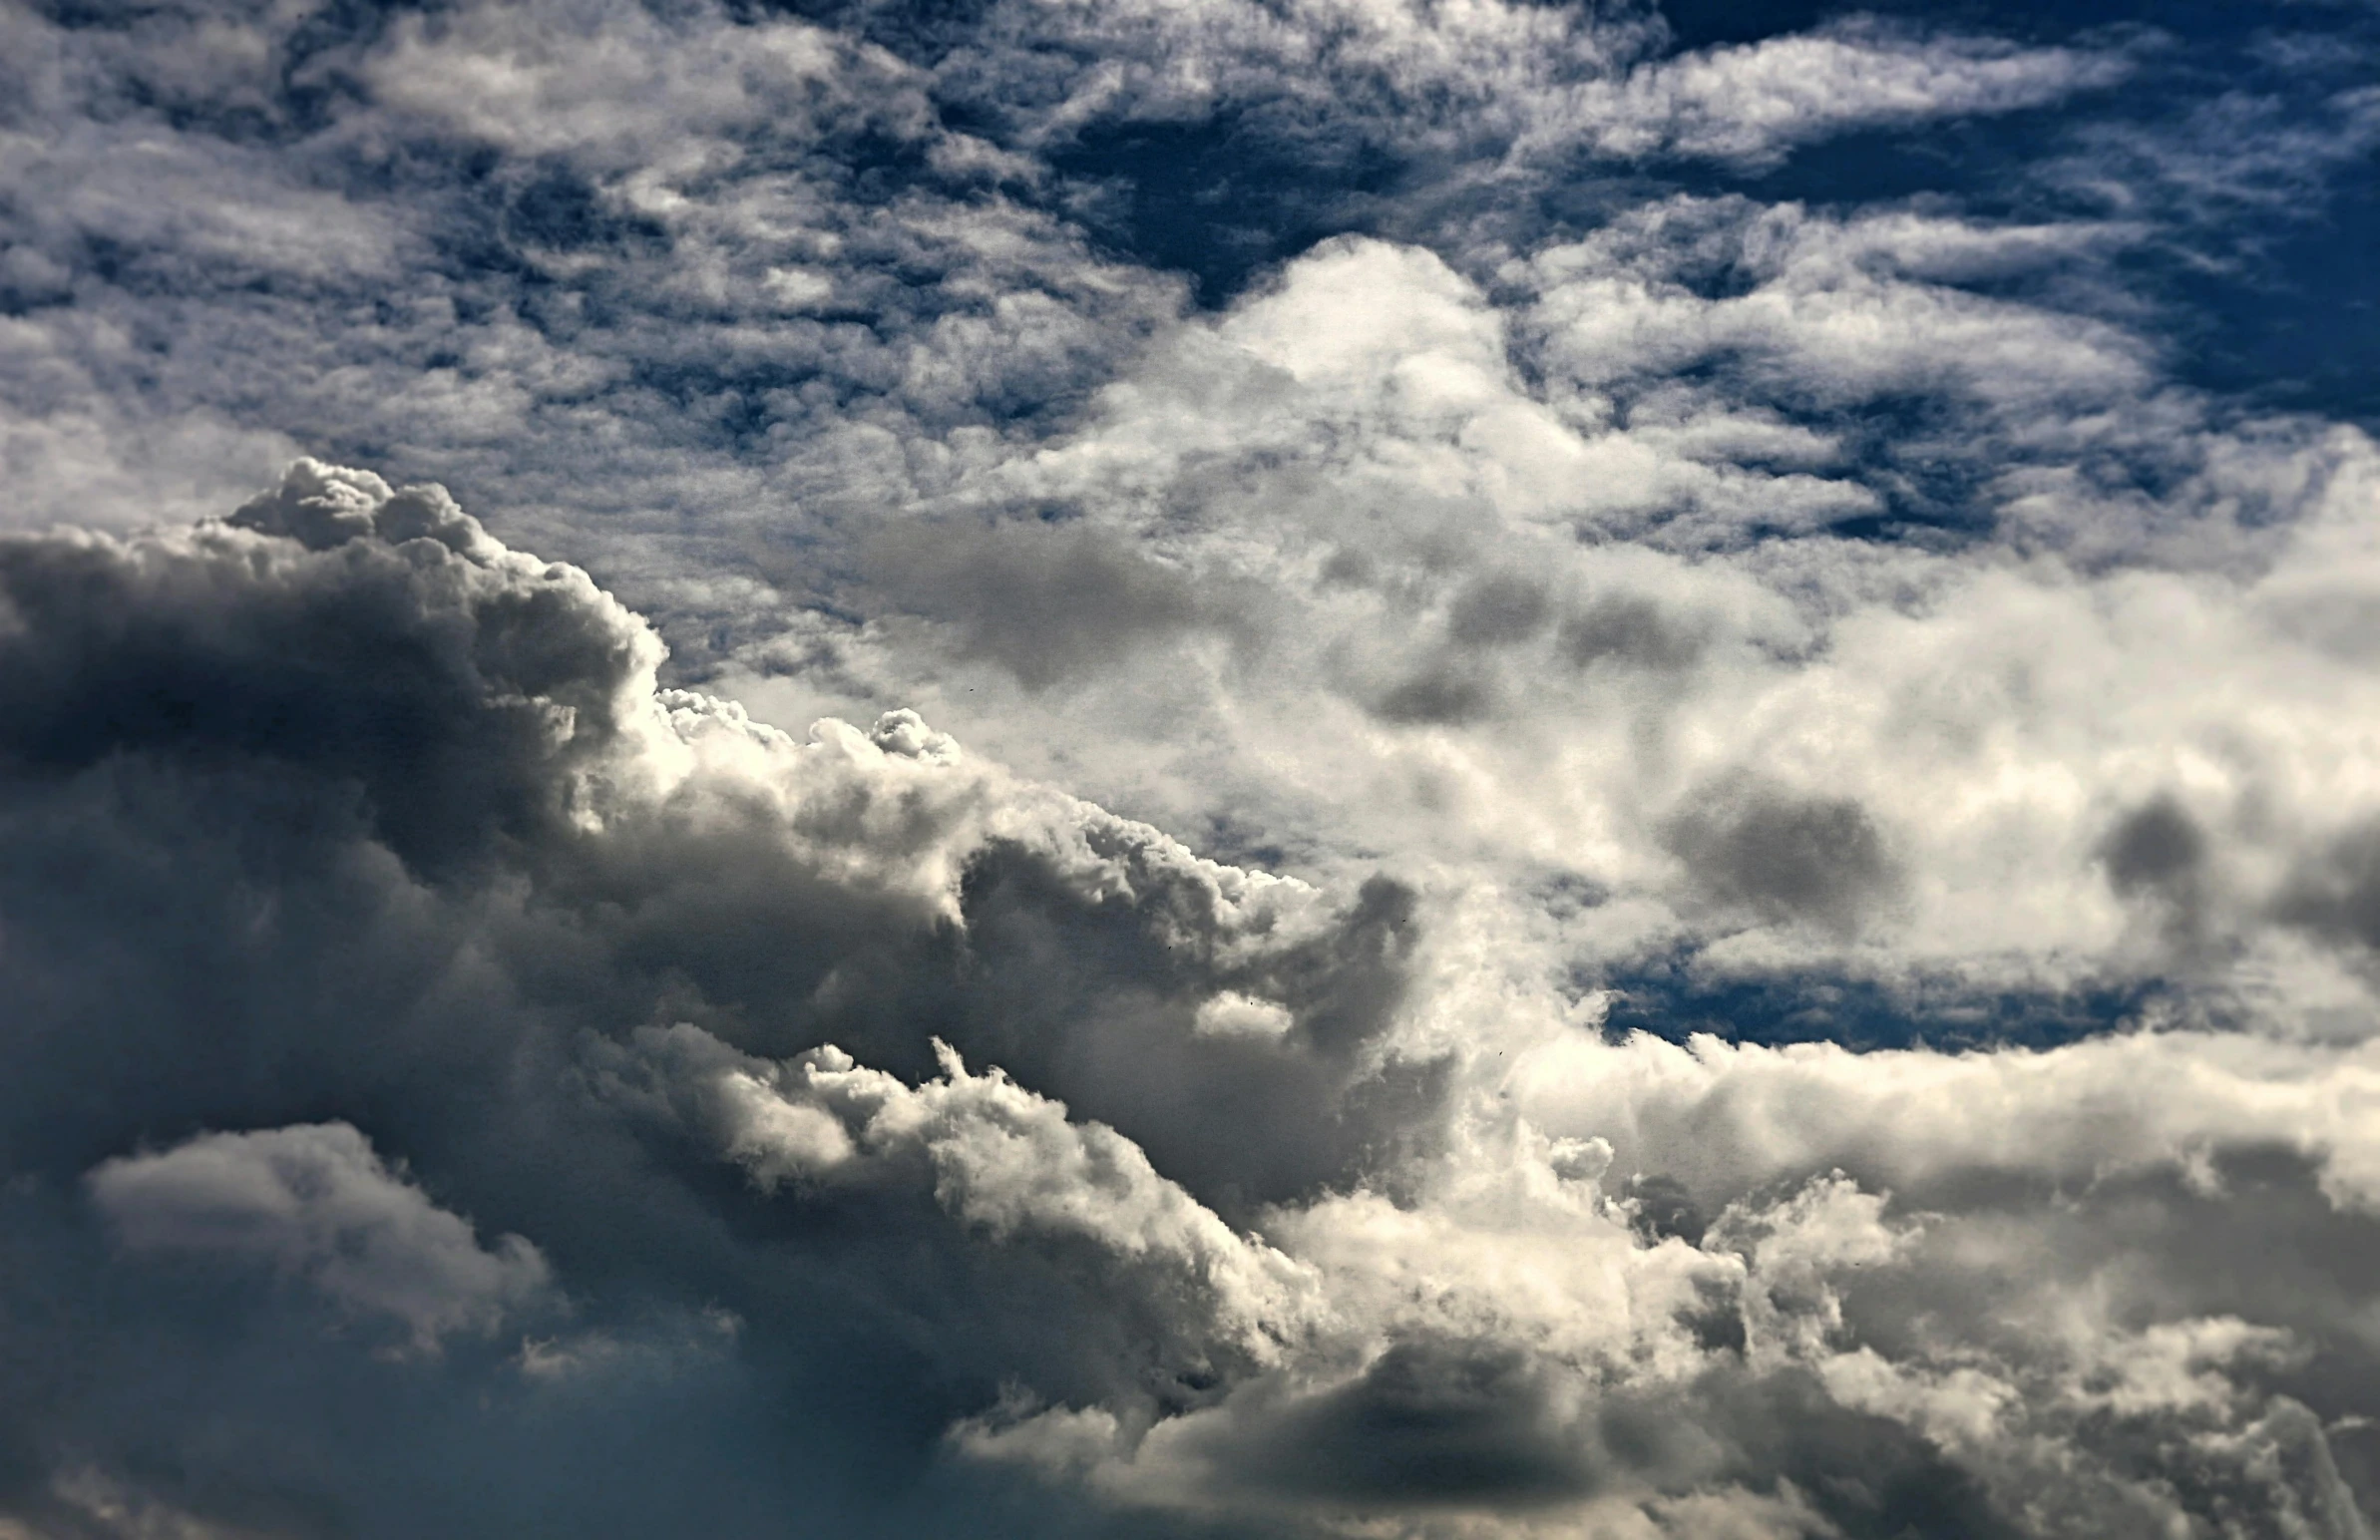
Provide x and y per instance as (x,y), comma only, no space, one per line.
(1409,769)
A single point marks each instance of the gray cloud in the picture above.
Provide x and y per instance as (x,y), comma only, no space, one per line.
(315,1202)
(1818,860)
(1045,602)
(2336,892)
(2156,853)
(1627,630)
(2155,848)
(1497,610)
(1443,691)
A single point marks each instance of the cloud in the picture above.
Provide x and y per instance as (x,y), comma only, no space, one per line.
(1819,860)
(1463,1260)
(613,852)
(626,81)
(1007,1164)
(1412,619)
(1753,102)
(315,1202)
(1514,645)
(1045,602)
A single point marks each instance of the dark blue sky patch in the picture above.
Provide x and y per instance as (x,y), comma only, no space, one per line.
(1715,23)
(1222,200)
(1677,1001)
(2264,281)
(2297,329)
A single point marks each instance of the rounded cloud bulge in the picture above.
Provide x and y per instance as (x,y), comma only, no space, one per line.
(1421,771)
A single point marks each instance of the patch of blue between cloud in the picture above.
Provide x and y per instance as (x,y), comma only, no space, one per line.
(2279,307)
(2302,339)
(559,209)
(1223,199)
(1713,23)
(1672,1000)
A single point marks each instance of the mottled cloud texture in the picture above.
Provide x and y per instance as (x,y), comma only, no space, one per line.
(1569,772)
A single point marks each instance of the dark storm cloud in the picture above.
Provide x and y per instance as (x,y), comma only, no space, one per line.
(1449,1425)
(396,680)
(1431,1424)
(314,1201)
(341,808)
(454,687)
(1098,1005)
(545,1103)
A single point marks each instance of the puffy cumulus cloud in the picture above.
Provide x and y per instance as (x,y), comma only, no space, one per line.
(1555,611)
(560,855)
(2112,1105)
(485,672)
(1001,1160)
(315,1202)
(1685,1390)
(393,827)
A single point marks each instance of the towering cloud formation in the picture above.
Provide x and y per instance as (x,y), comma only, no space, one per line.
(1566,778)
(1275,1209)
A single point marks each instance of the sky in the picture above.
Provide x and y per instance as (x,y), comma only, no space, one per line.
(1391,769)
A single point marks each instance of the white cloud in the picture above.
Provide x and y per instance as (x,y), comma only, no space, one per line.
(615,83)
(1912,1118)
(1008,1164)
(1756,101)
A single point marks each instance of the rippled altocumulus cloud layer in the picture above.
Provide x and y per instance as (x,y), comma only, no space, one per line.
(1565,820)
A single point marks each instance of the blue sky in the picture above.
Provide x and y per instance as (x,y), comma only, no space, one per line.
(1244,768)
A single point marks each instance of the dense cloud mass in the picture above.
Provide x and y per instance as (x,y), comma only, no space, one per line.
(1572,771)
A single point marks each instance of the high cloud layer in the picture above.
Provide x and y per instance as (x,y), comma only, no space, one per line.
(1571,773)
